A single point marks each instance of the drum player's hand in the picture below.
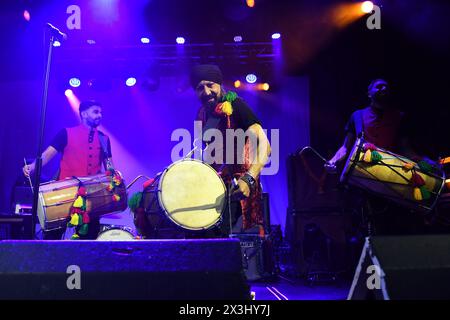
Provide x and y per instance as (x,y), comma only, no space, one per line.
(330,167)
(242,189)
(28,169)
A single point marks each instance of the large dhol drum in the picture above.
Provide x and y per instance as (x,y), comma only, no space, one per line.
(389,179)
(56,199)
(188,195)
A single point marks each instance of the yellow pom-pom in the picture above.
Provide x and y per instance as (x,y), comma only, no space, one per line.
(75,219)
(75,237)
(78,203)
(367,156)
(227,108)
(417,194)
(110,187)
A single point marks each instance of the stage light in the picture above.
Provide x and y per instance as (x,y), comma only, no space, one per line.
(276,36)
(251,78)
(68,93)
(180,40)
(237,39)
(56,43)
(130,82)
(74,82)
(26,15)
(367,6)
(90,41)
(145,40)
(265,86)
(237,84)
(250,3)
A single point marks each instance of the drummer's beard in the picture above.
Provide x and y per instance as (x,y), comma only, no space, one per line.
(94,123)
(210,101)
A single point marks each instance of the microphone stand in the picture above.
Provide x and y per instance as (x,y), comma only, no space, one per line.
(38,164)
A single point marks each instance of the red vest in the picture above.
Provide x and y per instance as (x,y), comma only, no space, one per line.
(81,157)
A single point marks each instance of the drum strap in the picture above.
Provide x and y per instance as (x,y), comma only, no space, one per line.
(359,123)
(104,144)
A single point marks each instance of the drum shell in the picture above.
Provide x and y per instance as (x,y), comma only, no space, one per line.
(56,199)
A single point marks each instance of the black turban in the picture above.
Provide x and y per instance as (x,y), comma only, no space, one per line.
(207,72)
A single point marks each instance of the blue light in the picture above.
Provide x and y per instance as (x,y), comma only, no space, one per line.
(145,40)
(74,82)
(276,36)
(180,40)
(131,82)
(56,43)
(90,41)
(251,78)
(237,39)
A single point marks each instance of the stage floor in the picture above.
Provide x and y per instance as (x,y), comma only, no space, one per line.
(283,288)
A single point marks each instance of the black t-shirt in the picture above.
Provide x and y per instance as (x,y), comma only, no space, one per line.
(242,115)
(59,142)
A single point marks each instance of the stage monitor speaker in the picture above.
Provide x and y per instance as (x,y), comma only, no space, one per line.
(403,268)
(15,226)
(206,269)
(320,241)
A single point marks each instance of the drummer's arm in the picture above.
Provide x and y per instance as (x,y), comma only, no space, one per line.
(262,150)
(47,155)
(343,151)
(262,156)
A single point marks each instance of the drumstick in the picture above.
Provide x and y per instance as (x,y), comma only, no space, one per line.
(29,179)
(310,148)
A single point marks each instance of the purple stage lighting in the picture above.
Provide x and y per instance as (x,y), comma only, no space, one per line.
(276,35)
(180,40)
(145,40)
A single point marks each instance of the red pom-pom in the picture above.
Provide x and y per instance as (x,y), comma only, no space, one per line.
(417,180)
(148,183)
(109,173)
(75,210)
(369,146)
(82,191)
(86,217)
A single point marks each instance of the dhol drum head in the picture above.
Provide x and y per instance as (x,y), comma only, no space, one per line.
(192,194)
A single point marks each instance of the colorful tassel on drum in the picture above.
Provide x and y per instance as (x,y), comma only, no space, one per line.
(115,198)
(78,202)
(79,217)
(83,230)
(148,183)
(135,201)
(408,166)
(75,237)
(74,220)
(420,191)
(371,155)
(417,194)
(426,194)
